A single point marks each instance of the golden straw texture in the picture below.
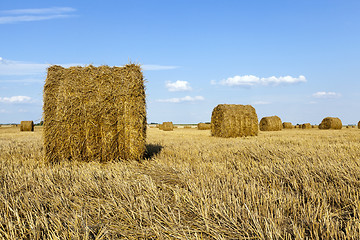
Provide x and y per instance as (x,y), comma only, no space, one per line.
(27,126)
(167,126)
(94,113)
(306,126)
(234,120)
(330,123)
(203,126)
(272,123)
(287,125)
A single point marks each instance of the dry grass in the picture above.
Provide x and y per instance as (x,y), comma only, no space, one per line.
(279,185)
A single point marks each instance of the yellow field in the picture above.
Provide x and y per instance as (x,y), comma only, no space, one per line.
(292,184)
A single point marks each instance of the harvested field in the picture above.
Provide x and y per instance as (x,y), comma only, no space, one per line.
(279,185)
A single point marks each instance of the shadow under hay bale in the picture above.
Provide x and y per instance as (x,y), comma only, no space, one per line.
(167,126)
(287,125)
(306,126)
(234,120)
(330,123)
(152,150)
(26,126)
(94,113)
(204,126)
(272,123)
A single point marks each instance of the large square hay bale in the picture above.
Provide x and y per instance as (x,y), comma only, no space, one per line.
(234,120)
(287,125)
(272,123)
(167,126)
(330,123)
(204,126)
(94,113)
(27,126)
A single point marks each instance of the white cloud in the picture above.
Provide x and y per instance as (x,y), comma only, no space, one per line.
(178,86)
(53,10)
(183,99)
(261,103)
(9,67)
(251,80)
(38,14)
(21,68)
(15,99)
(157,67)
(326,95)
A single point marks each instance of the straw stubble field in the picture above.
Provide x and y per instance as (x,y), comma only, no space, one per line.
(291,184)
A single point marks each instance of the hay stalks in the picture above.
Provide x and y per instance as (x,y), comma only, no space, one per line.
(204,126)
(94,113)
(27,126)
(306,126)
(272,123)
(167,126)
(287,125)
(331,123)
(234,120)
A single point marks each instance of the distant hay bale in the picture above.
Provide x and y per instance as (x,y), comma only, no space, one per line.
(167,126)
(187,127)
(94,113)
(204,126)
(234,120)
(306,126)
(27,126)
(287,125)
(330,123)
(272,123)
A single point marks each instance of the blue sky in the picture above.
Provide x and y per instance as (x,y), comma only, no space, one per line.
(299,60)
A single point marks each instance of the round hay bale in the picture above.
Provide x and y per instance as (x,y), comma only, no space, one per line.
(359,125)
(27,126)
(306,126)
(167,126)
(204,126)
(287,125)
(330,123)
(272,123)
(234,120)
(187,127)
